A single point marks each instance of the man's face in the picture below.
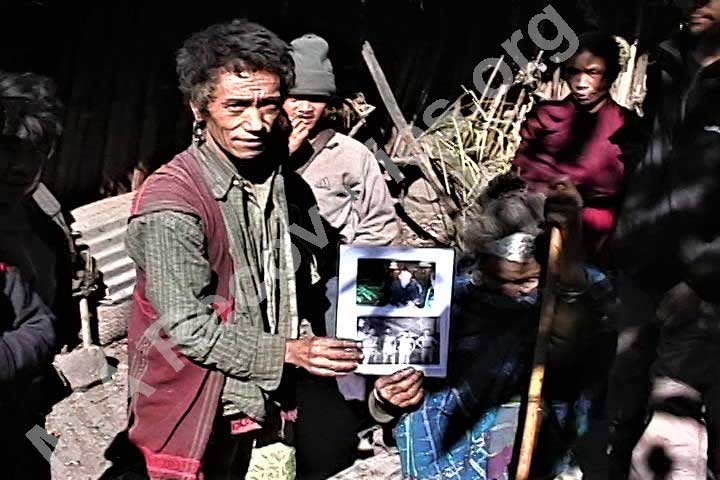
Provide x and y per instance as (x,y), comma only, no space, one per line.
(585,73)
(405,278)
(704,18)
(305,110)
(243,112)
(20,170)
(511,279)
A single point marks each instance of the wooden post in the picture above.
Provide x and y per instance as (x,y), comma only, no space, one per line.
(85,318)
(404,130)
(534,402)
(384,89)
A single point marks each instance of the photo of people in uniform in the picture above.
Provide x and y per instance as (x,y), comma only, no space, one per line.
(399,340)
(386,282)
(396,302)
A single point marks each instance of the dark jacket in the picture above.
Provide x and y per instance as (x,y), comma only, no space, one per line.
(668,230)
(401,296)
(28,330)
(32,240)
(28,340)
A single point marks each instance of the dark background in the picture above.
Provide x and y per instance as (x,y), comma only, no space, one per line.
(114,61)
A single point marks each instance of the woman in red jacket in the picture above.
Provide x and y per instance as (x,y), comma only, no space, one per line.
(578,137)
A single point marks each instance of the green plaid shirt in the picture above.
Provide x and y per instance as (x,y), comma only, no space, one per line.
(170,247)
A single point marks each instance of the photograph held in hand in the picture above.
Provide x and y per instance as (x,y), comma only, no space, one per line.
(396,302)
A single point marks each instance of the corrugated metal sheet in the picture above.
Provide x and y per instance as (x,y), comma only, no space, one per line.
(102,226)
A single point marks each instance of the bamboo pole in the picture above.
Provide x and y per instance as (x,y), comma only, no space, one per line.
(532,415)
(384,89)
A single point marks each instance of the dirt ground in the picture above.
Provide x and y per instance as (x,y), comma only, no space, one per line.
(86,423)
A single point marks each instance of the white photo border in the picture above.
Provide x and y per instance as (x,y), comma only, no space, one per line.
(348,311)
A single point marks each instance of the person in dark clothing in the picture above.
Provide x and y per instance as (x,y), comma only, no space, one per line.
(576,137)
(667,245)
(34,236)
(327,424)
(28,341)
(351,198)
(405,290)
(468,422)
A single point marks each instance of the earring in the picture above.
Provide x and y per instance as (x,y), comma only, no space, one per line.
(198,132)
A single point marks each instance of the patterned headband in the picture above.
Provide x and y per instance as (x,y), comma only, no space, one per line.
(518,247)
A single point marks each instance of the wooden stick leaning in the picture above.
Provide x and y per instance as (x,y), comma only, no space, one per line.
(534,402)
(421,158)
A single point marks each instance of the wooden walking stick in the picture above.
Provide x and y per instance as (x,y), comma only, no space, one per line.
(547,311)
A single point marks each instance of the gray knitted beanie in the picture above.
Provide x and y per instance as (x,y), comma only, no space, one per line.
(313,70)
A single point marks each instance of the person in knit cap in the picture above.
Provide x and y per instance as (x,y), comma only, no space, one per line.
(343,174)
(353,199)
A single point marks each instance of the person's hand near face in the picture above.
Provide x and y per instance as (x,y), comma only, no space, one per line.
(299,134)
(304,113)
(242,112)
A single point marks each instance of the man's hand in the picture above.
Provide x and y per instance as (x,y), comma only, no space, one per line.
(325,357)
(678,306)
(300,132)
(563,206)
(402,389)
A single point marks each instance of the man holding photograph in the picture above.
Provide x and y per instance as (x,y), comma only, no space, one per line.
(200,228)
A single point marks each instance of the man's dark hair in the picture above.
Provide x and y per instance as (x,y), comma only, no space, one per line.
(605,46)
(236,46)
(30,110)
